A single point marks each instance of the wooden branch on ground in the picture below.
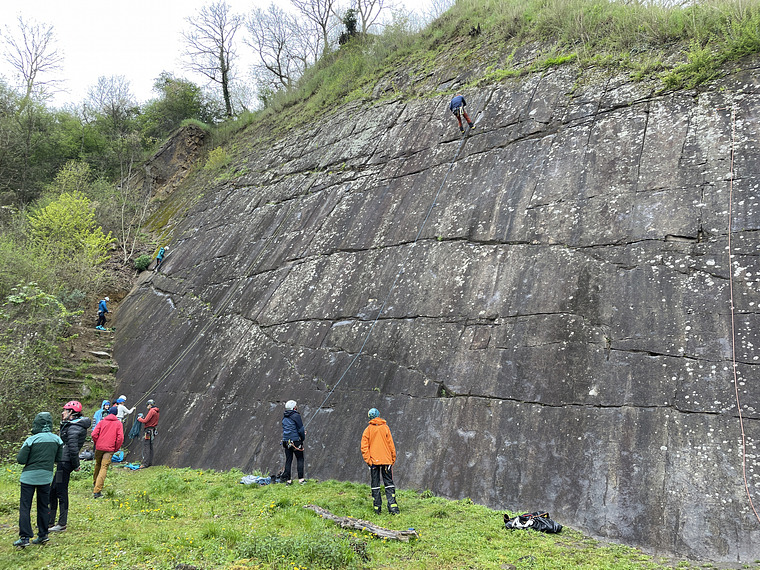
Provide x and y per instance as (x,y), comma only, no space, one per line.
(359,524)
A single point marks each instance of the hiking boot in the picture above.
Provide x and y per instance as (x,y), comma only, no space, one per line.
(97,495)
(472,125)
(393,509)
(378,510)
(288,482)
(21,543)
(41,540)
(461,130)
(57,528)
(302,482)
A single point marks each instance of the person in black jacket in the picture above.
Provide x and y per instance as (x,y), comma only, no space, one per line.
(293,436)
(73,432)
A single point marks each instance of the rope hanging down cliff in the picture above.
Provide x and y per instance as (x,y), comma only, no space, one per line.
(224,303)
(733,320)
(400,272)
(234,290)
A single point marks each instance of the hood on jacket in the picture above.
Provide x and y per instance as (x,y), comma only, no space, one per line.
(84,422)
(376,421)
(105,403)
(289,413)
(42,422)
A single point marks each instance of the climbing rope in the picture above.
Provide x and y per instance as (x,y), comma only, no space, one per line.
(733,320)
(224,303)
(395,281)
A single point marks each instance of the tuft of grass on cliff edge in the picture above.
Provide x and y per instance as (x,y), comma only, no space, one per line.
(162,518)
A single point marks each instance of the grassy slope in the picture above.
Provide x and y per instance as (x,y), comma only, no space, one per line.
(161,517)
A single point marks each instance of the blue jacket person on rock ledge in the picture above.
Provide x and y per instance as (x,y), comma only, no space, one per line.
(457,106)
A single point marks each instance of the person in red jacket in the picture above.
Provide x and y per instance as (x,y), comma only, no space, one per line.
(379,453)
(150,422)
(108,436)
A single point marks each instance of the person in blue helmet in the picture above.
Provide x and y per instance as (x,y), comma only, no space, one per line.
(457,107)
(379,453)
(293,436)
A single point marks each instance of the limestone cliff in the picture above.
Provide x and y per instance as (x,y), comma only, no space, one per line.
(555,322)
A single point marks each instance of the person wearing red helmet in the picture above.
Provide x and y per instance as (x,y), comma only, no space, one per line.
(73,432)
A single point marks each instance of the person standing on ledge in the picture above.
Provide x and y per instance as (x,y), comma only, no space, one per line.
(102,310)
(457,106)
(293,436)
(379,453)
(160,257)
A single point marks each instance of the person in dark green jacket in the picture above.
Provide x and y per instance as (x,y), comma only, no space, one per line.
(39,454)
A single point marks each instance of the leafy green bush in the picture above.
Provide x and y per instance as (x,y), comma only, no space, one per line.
(217,159)
(66,226)
(142,262)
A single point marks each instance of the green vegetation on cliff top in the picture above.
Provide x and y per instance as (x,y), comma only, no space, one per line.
(681,46)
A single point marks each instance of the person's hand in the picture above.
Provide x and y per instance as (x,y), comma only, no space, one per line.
(139,415)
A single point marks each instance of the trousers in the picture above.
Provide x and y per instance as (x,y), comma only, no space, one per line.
(102,461)
(297,450)
(147,453)
(25,510)
(59,494)
(386,472)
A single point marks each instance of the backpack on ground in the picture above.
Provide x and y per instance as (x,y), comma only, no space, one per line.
(538,520)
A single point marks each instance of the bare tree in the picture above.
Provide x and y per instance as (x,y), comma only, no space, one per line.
(322,14)
(369,11)
(115,107)
(210,46)
(281,45)
(31,52)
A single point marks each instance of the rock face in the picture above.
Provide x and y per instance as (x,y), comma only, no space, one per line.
(542,311)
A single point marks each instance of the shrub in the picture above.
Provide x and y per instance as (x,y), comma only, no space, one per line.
(66,226)
(142,262)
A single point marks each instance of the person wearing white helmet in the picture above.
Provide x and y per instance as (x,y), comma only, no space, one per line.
(160,257)
(293,436)
(122,410)
(102,310)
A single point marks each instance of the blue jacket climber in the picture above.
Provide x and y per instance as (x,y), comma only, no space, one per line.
(457,106)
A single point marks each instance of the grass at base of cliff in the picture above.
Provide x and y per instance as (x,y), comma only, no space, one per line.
(162,518)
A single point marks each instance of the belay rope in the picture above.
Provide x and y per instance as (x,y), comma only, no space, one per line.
(733,320)
(230,294)
(398,275)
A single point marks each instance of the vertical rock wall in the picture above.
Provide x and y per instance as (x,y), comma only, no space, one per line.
(556,325)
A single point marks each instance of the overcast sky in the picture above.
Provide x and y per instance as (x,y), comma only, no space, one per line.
(137,39)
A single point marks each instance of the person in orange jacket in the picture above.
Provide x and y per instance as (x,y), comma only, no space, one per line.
(379,453)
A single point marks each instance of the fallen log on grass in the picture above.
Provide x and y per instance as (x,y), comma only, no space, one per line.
(359,524)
